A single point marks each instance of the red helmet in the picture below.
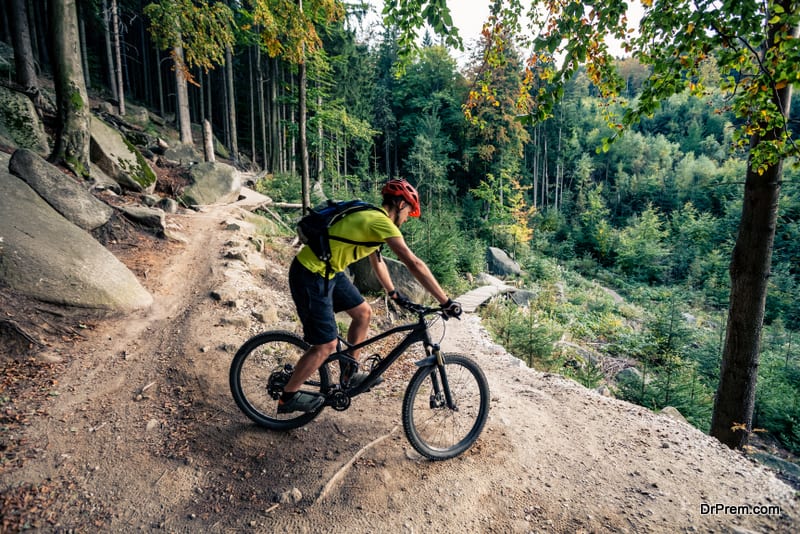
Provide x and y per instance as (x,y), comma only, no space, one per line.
(400,188)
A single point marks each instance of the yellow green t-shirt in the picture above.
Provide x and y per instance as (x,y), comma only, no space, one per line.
(363,226)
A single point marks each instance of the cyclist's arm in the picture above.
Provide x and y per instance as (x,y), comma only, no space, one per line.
(381,271)
(417,268)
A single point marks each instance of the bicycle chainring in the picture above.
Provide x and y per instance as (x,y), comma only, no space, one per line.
(338,400)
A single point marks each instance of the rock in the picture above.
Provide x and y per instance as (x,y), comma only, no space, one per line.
(118,158)
(629,375)
(212,183)
(181,155)
(19,122)
(152,218)
(673,413)
(365,280)
(168,205)
(60,190)
(522,297)
(292,496)
(46,257)
(101,181)
(500,263)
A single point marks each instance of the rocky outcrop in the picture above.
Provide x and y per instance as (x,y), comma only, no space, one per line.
(19,122)
(212,183)
(61,191)
(44,256)
(119,159)
(501,264)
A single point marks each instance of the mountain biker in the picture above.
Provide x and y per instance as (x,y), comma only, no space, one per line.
(317,307)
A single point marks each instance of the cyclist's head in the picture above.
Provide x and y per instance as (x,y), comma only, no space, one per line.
(397,189)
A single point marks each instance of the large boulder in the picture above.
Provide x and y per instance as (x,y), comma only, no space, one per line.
(44,256)
(181,156)
(501,264)
(212,183)
(19,122)
(60,190)
(365,280)
(119,159)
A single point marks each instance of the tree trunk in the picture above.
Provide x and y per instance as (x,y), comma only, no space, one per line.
(261,111)
(303,140)
(208,142)
(87,78)
(231,105)
(320,137)
(732,419)
(252,107)
(112,83)
(161,108)
(72,134)
(274,134)
(146,66)
(23,52)
(117,56)
(184,118)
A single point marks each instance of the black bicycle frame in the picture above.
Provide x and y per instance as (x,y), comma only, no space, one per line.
(418,333)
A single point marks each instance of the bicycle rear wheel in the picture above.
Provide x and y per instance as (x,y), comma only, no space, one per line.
(434,429)
(260,370)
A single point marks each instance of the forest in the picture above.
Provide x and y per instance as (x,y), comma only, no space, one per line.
(309,93)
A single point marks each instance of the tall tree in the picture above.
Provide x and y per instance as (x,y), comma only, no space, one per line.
(23,52)
(197,35)
(115,23)
(288,31)
(72,134)
(755,46)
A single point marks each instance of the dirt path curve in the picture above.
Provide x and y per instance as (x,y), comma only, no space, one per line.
(144,435)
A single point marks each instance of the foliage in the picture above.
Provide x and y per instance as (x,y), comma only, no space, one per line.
(528,334)
(202,30)
(439,240)
(641,253)
(287,27)
(409,16)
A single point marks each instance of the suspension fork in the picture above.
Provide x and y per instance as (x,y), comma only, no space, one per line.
(439,380)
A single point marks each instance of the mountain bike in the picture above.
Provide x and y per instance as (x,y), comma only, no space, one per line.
(446,402)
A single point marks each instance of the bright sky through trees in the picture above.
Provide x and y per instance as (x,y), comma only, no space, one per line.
(469,16)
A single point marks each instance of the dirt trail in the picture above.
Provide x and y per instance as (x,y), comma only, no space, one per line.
(144,435)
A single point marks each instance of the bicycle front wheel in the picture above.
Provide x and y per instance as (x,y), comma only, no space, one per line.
(260,370)
(435,429)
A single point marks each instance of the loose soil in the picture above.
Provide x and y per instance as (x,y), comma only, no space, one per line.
(126,424)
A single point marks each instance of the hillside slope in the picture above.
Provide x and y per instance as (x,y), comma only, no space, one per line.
(138,431)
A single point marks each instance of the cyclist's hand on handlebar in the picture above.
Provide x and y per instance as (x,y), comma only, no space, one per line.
(452,308)
(399,298)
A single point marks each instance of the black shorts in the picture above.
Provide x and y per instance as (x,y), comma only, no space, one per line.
(315,307)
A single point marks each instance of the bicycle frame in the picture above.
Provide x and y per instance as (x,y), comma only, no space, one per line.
(417,333)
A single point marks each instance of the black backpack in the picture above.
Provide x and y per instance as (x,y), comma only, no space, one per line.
(313,228)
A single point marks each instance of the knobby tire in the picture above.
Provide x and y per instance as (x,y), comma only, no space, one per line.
(433,429)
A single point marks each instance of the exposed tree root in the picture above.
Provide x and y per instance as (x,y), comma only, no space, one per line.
(343,470)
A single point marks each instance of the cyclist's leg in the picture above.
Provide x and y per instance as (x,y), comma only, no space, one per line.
(307,364)
(315,310)
(348,299)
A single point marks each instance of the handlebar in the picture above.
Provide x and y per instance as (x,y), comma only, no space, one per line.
(423,310)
